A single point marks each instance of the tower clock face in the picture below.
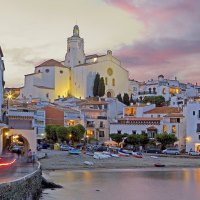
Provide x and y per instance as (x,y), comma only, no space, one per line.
(109,71)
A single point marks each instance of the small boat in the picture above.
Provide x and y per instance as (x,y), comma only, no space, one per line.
(74,151)
(159,165)
(121,153)
(114,155)
(99,156)
(137,154)
(88,163)
(89,153)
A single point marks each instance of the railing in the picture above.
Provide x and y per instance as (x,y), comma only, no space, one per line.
(146,92)
(90,125)
(20,114)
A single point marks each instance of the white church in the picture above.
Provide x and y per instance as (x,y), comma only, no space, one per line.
(75,75)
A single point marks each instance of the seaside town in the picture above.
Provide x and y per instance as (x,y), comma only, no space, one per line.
(99,109)
(87,106)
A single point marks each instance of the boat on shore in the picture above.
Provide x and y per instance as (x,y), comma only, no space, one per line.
(74,151)
(159,165)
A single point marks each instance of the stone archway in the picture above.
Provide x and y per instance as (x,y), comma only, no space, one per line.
(110,94)
(27,137)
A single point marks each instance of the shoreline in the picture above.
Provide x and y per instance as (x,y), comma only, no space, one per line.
(58,160)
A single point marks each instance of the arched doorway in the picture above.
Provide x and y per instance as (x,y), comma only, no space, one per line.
(25,138)
(17,140)
(110,94)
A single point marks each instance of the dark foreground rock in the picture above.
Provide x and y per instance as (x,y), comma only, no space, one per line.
(49,185)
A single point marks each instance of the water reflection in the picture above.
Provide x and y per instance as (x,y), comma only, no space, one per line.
(137,184)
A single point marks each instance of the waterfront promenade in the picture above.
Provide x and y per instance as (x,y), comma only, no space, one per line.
(18,170)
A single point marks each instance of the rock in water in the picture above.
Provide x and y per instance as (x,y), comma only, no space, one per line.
(48,184)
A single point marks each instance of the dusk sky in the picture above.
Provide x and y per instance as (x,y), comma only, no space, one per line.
(150,37)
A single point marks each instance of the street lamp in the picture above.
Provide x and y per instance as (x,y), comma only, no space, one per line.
(87,137)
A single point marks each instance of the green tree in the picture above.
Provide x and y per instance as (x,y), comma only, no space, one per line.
(62,133)
(77,132)
(126,99)
(166,139)
(119,97)
(51,132)
(117,137)
(158,100)
(96,85)
(143,139)
(133,140)
(101,87)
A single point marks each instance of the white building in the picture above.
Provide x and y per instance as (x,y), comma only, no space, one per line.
(2,68)
(168,89)
(192,112)
(75,76)
(151,120)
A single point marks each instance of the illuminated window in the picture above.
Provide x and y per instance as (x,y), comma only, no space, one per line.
(113,82)
(164,128)
(106,81)
(164,91)
(174,129)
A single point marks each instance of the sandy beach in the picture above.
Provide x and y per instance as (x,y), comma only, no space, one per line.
(57,160)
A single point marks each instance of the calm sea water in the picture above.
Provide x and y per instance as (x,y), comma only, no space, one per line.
(137,184)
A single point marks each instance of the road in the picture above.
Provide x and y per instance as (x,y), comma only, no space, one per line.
(18,170)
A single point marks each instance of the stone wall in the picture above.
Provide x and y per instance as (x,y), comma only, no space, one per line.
(26,188)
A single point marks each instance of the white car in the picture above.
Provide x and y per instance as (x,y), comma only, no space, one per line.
(194,153)
(171,151)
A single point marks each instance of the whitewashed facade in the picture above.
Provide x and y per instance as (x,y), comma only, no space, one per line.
(192,113)
(75,75)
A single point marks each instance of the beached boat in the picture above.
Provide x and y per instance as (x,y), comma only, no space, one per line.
(74,151)
(159,165)
(122,153)
(137,154)
(88,163)
(89,153)
(98,155)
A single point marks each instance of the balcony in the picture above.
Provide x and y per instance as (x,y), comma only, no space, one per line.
(20,114)
(90,125)
(147,92)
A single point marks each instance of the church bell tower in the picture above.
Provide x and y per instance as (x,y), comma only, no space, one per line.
(75,49)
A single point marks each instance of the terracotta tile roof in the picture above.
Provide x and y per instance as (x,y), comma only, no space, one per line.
(140,119)
(92,103)
(165,110)
(51,63)
(174,115)
(91,110)
(65,109)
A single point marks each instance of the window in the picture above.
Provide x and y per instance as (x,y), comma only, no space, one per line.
(101,134)
(158,115)
(174,129)
(164,128)
(193,112)
(38,71)
(133,132)
(101,124)
(199,137)
(106,81)
(198,127)
(47,70)
(143,132)
(151,116)
(47,95)
(119,131)
(199,114)
(79,62)
(61,71)
(113,82)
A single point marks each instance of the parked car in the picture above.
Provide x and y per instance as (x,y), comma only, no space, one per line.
(65,147)
(154,150)
(194,153)
(16,149)
(171,151)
